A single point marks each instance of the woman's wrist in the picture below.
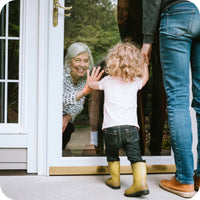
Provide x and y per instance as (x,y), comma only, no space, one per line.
(67,117)
(85,90)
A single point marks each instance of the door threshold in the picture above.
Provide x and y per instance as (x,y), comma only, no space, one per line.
(100,170)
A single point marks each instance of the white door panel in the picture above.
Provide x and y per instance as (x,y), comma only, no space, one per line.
(54,114)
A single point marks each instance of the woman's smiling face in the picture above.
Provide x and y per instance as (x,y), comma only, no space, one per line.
(79,65)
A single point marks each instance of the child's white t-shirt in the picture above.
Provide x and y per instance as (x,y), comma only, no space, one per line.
(120,101)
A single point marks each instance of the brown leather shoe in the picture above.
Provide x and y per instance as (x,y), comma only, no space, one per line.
(183,190)
(196,182)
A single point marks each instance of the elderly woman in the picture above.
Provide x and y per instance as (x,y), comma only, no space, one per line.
(78,62)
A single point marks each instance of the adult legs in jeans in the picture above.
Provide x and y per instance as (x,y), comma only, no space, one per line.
(179,33)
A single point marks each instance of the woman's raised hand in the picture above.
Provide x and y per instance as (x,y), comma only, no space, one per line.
(95,76)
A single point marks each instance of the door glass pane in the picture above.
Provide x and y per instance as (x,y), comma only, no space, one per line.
(12,103)
(2,59)
(3,21)
(2,92)
(13,59)
(95,24)
(14,7)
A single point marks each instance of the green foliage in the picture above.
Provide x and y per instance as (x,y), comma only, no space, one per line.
(94,23)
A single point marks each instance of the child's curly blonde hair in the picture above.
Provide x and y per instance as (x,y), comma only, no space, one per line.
(125,60)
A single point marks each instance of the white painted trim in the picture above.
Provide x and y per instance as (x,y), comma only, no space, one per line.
(30,62)
(11,128)
(55,88)
(13,141)
(21,109)
(9,38)
(42,86)
(6,66)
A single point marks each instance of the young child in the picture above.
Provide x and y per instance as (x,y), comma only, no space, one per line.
(128,73)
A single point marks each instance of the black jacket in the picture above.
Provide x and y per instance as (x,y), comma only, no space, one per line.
(139,19)
(151,16)
(130,20)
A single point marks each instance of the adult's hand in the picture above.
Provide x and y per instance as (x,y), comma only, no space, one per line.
(95,76)
(146,52)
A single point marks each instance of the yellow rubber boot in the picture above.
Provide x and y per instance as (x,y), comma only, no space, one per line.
(114,181)
(139,186)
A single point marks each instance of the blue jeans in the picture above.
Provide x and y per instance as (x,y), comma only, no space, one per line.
(126,137)
(180,44)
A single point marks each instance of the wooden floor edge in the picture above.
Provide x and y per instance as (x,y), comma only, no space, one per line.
(97,170)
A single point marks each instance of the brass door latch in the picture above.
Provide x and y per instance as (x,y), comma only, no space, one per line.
(57,5)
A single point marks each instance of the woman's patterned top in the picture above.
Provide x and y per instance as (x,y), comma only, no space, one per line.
(70,104)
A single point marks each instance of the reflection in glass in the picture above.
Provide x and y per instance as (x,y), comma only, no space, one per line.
(12,103)
(14,11)
(13,59)
(95,24)
(2,59)
(3,21)
(2,92)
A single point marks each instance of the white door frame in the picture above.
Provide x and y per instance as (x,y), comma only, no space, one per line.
(35,60)
(30,61)
(54,126)
(50,76)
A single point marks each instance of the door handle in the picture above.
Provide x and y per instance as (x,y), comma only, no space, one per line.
(57,5)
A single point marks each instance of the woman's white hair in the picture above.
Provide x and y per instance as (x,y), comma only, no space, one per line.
(74,50)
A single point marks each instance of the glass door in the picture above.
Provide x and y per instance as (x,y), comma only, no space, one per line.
(96,25)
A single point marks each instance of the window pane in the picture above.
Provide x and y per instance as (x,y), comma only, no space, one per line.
(12,103)
(2,92)
(13,59)
(3,21)
(14,10)
(2,59)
